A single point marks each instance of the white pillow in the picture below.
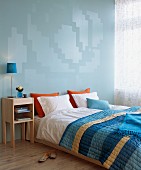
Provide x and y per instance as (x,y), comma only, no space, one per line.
(50,104)
(80,99)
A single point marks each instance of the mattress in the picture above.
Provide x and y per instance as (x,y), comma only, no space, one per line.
(37,121)
(53,125)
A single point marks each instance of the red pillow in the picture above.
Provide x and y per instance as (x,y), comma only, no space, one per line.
(70,92)
(37,105)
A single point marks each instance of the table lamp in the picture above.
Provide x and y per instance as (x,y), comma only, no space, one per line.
(11,69)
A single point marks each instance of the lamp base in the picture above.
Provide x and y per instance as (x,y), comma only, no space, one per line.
(11,96)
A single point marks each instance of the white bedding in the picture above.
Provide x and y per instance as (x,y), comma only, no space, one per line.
(53,125)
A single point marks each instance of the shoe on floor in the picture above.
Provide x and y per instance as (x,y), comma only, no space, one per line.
(52,155)
(44,157)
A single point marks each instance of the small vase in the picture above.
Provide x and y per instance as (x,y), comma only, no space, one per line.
(19,94)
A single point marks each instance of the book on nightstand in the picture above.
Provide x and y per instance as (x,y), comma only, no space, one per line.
(24,118)
(21,109)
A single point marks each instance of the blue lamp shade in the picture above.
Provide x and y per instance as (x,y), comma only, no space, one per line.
(11,68)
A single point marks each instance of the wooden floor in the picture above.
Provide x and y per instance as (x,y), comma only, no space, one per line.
(25,157)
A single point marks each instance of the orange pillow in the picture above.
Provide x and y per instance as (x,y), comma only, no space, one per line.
(37,105)
(70,92)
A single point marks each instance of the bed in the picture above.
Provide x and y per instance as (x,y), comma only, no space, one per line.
(92,134)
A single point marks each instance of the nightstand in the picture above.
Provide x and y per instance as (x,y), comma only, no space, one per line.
(17,111)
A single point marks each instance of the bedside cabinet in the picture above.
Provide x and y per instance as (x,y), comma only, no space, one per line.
(17,111)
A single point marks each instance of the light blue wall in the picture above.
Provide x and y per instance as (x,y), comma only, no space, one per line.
(58,45)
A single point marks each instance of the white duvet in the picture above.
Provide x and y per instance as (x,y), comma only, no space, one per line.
(53,125)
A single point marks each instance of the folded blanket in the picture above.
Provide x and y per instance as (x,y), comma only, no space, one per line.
(131,125)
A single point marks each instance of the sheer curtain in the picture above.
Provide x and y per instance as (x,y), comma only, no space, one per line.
(128,52)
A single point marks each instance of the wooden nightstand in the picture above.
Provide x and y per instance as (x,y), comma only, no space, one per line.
(14,111)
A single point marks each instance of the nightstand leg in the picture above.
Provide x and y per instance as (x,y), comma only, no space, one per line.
(4,132)
(12,131)
(32,132)
(23,131)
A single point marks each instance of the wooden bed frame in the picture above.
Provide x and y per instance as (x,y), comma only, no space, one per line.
(70,152)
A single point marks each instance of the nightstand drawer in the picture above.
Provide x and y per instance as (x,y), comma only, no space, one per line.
(22,101)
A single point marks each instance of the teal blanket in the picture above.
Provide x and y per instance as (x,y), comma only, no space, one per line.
(131,124)
(97,136)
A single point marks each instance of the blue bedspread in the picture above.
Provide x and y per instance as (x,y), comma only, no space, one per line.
(97,136)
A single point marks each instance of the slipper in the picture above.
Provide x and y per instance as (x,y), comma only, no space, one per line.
(52,155)
(44,158)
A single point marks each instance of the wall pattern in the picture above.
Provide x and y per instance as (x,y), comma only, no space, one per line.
(57,46)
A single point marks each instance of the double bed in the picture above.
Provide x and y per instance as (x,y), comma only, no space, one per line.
(104,134)
(50,129)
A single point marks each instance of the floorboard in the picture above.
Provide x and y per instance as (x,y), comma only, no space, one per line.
(25,157)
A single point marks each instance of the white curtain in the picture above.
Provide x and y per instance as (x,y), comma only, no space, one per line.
(128,52)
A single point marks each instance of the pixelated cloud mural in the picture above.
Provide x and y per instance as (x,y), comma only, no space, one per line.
(73,47)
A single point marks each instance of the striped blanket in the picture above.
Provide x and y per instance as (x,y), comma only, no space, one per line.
(96,136)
